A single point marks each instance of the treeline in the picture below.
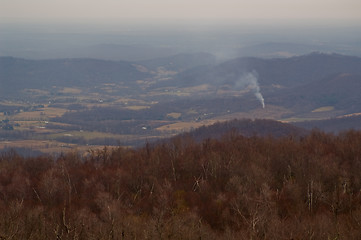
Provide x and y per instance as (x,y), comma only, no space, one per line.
(246,127)
(233,188)
(333,124)
(110,119)
(16,134)
(12,135)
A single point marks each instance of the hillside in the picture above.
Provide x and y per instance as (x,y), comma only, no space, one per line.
(286,72)
(341,91)
(17,74)
(232,188)
(247,128)
(334,125)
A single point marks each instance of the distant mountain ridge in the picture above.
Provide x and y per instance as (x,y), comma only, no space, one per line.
(17,74)
(277,49)
(194,69)
(180,62)
(288,72)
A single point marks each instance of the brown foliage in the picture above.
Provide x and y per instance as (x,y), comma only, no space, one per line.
(234,188)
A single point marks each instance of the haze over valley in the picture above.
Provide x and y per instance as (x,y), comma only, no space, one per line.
(52,105)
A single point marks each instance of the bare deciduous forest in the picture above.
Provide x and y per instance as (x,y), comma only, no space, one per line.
(233,188)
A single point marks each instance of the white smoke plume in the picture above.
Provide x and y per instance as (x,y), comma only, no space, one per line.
(250,81)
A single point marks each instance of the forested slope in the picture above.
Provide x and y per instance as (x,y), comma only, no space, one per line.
(233,188)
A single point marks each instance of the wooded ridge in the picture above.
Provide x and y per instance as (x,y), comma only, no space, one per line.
(235,187)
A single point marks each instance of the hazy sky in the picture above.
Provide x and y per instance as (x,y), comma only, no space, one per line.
(85,10)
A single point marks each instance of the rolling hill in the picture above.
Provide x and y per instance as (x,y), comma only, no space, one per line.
(246,128)
(334,125)
(339,91)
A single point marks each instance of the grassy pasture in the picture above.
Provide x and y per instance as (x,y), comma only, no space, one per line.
(49,146)
(68,90)
(174,115)
(184,126)
(136,108)
(87,135)
(324,109)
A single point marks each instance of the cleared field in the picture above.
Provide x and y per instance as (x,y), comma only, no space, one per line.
(174,115)
(184,126)
(30,116)
(54,112)
(324,109)
(351,115)
(35,92)
(49,147)
(39,114)
(68,90)
(35,145)
(136,108)
(87,135)
(298,119)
